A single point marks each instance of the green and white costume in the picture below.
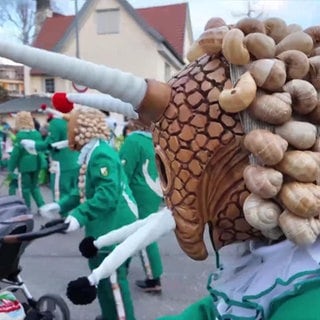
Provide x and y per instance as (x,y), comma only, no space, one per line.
(64,168)
(28,167)
(138,158)
(106,203)
(257,281)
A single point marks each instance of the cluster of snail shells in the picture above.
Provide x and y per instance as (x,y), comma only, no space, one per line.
(278,91)
(90,123)
(24,121)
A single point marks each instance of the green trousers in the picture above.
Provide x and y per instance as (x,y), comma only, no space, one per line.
(67,181)
(105,292)
(30,187)
(150,257)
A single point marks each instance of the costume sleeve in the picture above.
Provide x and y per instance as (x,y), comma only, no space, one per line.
(14,157)
(53,136)
(69,202)
(105,179)
(130,157)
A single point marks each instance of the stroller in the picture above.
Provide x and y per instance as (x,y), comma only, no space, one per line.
(16,232)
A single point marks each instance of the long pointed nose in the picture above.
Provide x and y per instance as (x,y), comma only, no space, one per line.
(149,98)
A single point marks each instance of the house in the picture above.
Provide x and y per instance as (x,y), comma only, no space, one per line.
(11,79)
(149,42)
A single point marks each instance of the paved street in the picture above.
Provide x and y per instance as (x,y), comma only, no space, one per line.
(50,263)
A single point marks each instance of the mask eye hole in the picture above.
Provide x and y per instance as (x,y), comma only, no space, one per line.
(163,169)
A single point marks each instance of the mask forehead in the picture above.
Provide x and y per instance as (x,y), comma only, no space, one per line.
(197,143)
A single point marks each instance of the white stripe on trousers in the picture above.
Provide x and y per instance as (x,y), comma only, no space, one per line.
(117,296)
(146,264)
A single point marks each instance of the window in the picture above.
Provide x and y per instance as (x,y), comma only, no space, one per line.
(167,71)
(13,88)
(49,85)
(108,21)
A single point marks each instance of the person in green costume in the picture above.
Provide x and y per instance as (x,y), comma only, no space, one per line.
(137,155)
(102,202)
(28,165)
(63,161)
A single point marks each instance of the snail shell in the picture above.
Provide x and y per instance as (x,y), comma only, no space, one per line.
(314,72)
(273,234)
(299,230)
(302,199)
(296,41)
(266,146)
(239,97)
(260,213)
(211,40)
(250,25)
(214,23)
(195,52)
(269,74)
(293,27)
(271,108)
(302,135)
(260,45)
(297,63)
(265,182)
(299,165)
(303,94)
(314,33)
(276,28)
(233,48)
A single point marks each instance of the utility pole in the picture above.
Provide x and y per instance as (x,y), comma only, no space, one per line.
(77,28)
(77,87)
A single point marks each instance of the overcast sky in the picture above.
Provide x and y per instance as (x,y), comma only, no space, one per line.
(303,12)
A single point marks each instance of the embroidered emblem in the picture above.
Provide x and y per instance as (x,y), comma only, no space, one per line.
(104,171)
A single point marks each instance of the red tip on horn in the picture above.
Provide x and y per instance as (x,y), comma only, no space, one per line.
(61,103)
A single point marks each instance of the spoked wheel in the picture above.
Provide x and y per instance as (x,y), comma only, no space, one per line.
(53,307)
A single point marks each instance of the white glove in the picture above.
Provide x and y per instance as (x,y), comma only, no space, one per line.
(73,223)
(60,144)
(29,145)
(50,211)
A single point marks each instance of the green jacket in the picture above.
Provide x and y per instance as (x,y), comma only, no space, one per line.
(57,131)
(20,158)
(136,150)
(109,203)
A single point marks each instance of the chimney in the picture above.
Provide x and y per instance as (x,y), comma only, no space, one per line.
(43,11)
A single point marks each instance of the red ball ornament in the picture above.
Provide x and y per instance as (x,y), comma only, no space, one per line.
(61,103)
(43,107)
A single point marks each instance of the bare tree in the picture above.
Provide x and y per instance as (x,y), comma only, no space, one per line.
(18,17)
(22,17)
(252,10)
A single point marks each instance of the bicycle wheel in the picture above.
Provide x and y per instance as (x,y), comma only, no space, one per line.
(55,305)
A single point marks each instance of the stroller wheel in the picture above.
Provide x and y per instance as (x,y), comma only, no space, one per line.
(53,307)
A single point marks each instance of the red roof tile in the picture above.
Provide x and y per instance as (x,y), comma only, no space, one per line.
(52,31)
(169,21)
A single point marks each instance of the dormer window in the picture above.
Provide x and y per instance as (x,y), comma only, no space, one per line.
(108,21)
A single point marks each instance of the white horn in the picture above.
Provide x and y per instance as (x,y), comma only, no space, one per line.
(104,102)
(160,224)
(124,86)
(54,112)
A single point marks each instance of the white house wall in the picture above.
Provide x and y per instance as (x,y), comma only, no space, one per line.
(132,50)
